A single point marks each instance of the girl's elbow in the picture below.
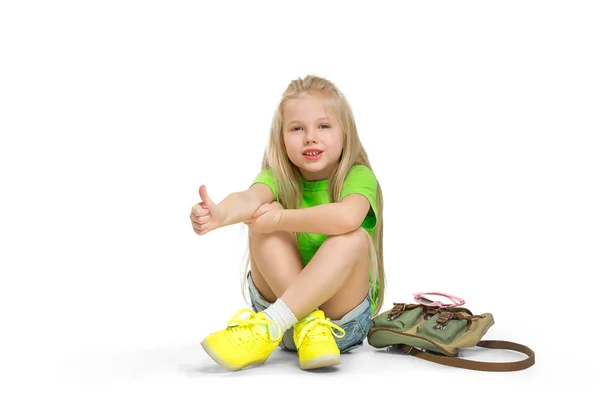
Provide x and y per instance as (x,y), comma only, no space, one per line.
(350,225)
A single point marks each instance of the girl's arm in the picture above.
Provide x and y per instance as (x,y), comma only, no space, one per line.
(239,206)
(328,219)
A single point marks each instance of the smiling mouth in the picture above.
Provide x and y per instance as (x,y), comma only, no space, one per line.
(312,153)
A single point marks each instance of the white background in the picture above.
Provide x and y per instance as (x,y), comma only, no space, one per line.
(481,120)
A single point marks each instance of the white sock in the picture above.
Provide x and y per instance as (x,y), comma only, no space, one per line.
(282,315)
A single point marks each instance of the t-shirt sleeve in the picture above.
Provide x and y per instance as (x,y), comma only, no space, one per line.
(266,176)
(362,180)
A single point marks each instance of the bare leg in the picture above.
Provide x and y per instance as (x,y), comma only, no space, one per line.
(336,279)
(275,262)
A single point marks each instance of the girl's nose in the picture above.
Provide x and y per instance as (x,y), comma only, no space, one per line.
(310,136)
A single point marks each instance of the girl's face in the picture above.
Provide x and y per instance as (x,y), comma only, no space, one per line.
(313,140)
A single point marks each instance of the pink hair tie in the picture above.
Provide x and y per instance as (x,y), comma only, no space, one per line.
(422,298)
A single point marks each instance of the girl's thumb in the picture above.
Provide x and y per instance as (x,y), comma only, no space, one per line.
(204,196)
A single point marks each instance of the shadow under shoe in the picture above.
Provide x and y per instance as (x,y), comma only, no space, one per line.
(313,336)
(245,342)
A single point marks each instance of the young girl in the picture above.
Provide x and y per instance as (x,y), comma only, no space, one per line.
(314,214)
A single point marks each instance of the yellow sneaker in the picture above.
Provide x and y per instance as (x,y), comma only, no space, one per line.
(313,336)
(245,341)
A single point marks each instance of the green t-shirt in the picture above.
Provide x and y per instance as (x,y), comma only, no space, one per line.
(360,180)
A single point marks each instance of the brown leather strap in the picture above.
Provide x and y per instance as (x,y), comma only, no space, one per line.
(480,365)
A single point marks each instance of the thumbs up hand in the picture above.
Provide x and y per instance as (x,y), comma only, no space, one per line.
(206,215)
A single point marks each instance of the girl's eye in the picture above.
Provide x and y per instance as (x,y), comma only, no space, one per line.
(322,125)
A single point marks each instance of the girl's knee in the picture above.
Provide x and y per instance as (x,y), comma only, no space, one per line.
(257,237)
(357,239)
(254,233)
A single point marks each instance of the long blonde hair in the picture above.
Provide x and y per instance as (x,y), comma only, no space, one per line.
(287,175)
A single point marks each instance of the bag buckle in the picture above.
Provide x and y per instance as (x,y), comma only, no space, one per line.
(443,319)
(397,310)
(408,349)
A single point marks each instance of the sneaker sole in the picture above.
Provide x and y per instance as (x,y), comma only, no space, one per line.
(326,360)
(225,364)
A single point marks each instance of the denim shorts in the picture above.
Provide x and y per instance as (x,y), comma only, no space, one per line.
(356,323)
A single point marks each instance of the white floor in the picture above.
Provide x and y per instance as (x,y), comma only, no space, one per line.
(184,371)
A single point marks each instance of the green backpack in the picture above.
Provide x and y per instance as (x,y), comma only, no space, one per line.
(436,334)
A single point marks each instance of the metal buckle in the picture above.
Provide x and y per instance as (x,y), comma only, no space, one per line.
(443,320)
(396,313)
